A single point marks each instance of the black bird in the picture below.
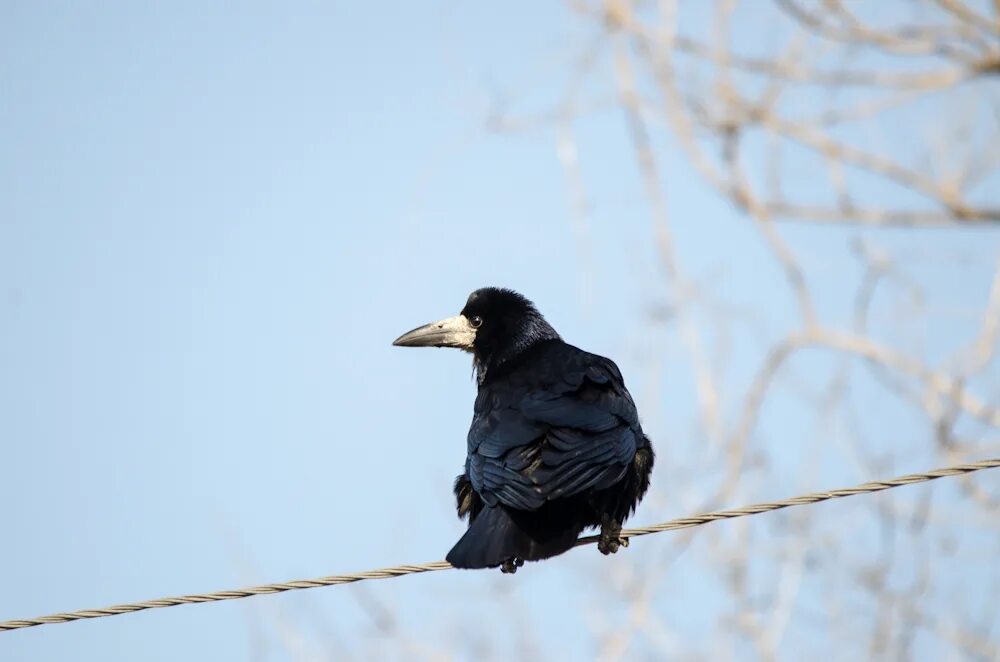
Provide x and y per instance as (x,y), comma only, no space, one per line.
(555,444)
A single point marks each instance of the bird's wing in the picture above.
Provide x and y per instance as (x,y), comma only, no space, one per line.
(537,437)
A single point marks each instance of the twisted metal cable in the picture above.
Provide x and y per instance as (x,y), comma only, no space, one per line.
(400,570)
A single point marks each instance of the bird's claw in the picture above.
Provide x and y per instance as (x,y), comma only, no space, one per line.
(611,539)
(510,566)
(610,545)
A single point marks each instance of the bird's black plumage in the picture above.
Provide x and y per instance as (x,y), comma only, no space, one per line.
(555,444)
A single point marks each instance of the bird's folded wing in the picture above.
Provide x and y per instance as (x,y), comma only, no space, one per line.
(530,444)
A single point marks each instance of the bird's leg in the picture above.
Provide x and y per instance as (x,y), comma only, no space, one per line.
(510,566)
(611,536)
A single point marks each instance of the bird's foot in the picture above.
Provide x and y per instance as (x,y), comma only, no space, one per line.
(611,545)
(611,538)
(510,566)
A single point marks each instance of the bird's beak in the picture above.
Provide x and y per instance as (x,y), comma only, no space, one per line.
(452,332)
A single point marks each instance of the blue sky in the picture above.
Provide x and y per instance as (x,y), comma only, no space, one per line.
(213,222)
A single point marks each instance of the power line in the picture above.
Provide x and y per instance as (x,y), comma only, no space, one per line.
(400,570)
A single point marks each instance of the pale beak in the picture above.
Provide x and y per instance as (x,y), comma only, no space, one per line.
(452,332)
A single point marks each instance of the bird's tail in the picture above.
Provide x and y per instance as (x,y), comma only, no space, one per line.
(496,536)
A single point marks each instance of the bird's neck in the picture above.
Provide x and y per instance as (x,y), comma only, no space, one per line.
(490,364)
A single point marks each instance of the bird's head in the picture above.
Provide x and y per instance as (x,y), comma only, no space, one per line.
(496,325)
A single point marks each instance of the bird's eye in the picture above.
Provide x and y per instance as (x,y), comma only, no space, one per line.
(476,321)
